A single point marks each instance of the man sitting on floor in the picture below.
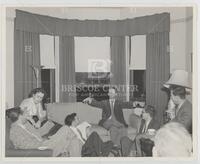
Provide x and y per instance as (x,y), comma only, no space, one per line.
(147,122)
(91,145)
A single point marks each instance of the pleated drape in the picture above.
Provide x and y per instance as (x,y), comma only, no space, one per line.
(67,69)
(157,71)
(26,54)
(72,27)
(118,66)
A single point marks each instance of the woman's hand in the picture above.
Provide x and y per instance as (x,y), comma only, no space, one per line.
(43,113)
(37,124)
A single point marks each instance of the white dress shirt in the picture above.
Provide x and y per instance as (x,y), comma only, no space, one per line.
(74,129)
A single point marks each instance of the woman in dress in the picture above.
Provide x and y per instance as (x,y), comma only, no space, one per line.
(35,112)
(24,136)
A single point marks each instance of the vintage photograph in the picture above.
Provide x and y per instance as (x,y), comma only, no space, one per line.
(100,82)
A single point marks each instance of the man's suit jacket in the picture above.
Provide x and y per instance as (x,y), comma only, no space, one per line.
(153,124)
(184,115)
(106,110)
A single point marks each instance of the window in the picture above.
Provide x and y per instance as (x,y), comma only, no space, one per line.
(137,68)
(138,79)
(47,60)
(92,65)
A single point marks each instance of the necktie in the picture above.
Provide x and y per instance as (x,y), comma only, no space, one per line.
(145,126)
(176,110)
(142,126)
(112,107)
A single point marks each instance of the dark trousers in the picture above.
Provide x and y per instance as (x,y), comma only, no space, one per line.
(95,147)
(127,145)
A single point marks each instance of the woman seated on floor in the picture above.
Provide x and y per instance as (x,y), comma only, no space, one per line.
(36,115)
(24,136)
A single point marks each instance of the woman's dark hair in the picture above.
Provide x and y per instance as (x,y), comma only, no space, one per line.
(178,91)
(14,115)
(37,90)
(69,119)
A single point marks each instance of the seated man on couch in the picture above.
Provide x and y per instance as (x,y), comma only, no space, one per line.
(112,115)
(148,122)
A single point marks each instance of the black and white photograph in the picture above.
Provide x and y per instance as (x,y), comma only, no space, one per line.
(108,82)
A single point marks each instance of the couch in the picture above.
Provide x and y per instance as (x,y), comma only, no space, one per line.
(58,111)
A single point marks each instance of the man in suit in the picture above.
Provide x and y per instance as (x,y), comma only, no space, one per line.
(112,115)
(183,109)
(148,122)
(177,85)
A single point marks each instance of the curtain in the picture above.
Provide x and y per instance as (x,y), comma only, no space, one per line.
(26,54)
(132,84)
(67,69)
(157,72)
(72,27)
(118,66)
(52,85)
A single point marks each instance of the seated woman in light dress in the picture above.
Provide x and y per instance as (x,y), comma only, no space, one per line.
(24,136)
(35,112)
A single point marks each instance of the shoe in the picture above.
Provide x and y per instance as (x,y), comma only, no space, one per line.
(116,150)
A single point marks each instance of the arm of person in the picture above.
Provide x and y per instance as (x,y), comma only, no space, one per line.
(129,105)
(43,114)
(185,119)
(26,106)
(93,102)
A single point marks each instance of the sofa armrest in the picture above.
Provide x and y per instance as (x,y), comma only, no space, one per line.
(28,153)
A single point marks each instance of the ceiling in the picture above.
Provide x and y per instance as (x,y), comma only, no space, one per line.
(102,12)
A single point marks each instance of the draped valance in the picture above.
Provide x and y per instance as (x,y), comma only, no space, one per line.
(36,23)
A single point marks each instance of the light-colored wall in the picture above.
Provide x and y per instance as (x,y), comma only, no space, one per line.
(180,35)
(177,45)
(189,39)
(9,63)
